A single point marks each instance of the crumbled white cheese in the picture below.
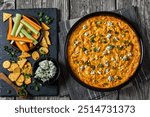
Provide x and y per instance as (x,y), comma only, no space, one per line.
(98,49)
(116,39)
(76,52)
(125,58)
(99,72)
(86,52)
(82,67)
(107,70)
(106,63)
(123,35)
(92,72)
(86,34)
(76,42)
(112,59)
(45,71)
(108,52)
(108,36)
(109,23)
(104,52)
(44,64)
(129,54)
(110,78)
(84,27)
(109,47)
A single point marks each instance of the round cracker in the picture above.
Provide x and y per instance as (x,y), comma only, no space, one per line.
(6,64)
(35,55)
(19,83)
(13,66)
(43,50)
(27,81)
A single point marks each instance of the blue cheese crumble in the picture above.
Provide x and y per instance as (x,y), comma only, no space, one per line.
(45,71)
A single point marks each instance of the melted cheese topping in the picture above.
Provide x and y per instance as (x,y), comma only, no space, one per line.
(103,52)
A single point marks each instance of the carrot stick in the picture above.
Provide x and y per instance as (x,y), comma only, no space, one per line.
(20,46)
(33,24)
(35,36)
(10,27)
(20,39)
(25,47)
(31,45)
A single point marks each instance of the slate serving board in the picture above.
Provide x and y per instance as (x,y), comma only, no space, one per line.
(48,90)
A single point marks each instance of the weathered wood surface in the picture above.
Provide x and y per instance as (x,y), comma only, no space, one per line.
(70,9)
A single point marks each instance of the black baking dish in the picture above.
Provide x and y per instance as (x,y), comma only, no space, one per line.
(103,13)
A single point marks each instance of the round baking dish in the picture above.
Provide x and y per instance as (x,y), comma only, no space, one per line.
(103,14)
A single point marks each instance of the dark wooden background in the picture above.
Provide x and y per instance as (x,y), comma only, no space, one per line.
(76,8)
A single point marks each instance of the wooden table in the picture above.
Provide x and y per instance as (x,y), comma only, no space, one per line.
(76,8)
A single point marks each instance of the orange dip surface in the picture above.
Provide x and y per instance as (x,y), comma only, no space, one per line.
(103,51)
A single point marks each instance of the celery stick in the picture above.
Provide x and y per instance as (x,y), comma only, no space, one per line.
(13,22)
(30,27)
(16,24)
(21,35)
(12,42)
(23,31)
(18,30)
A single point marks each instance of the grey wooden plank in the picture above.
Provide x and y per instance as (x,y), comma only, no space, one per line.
(143,11)
(7,5)
(139,91)
(62,5)
(110,96)
(24,4)
(145,87)
(102,5)
(130,93)
(80,8)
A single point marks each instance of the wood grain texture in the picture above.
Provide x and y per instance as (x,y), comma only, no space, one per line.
(7,4)
(111,96)
(102,5)
(62,5)
(136,92)
(24,4)
(143,12)
(80,8)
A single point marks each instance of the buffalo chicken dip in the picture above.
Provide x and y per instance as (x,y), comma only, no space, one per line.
(103,51)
